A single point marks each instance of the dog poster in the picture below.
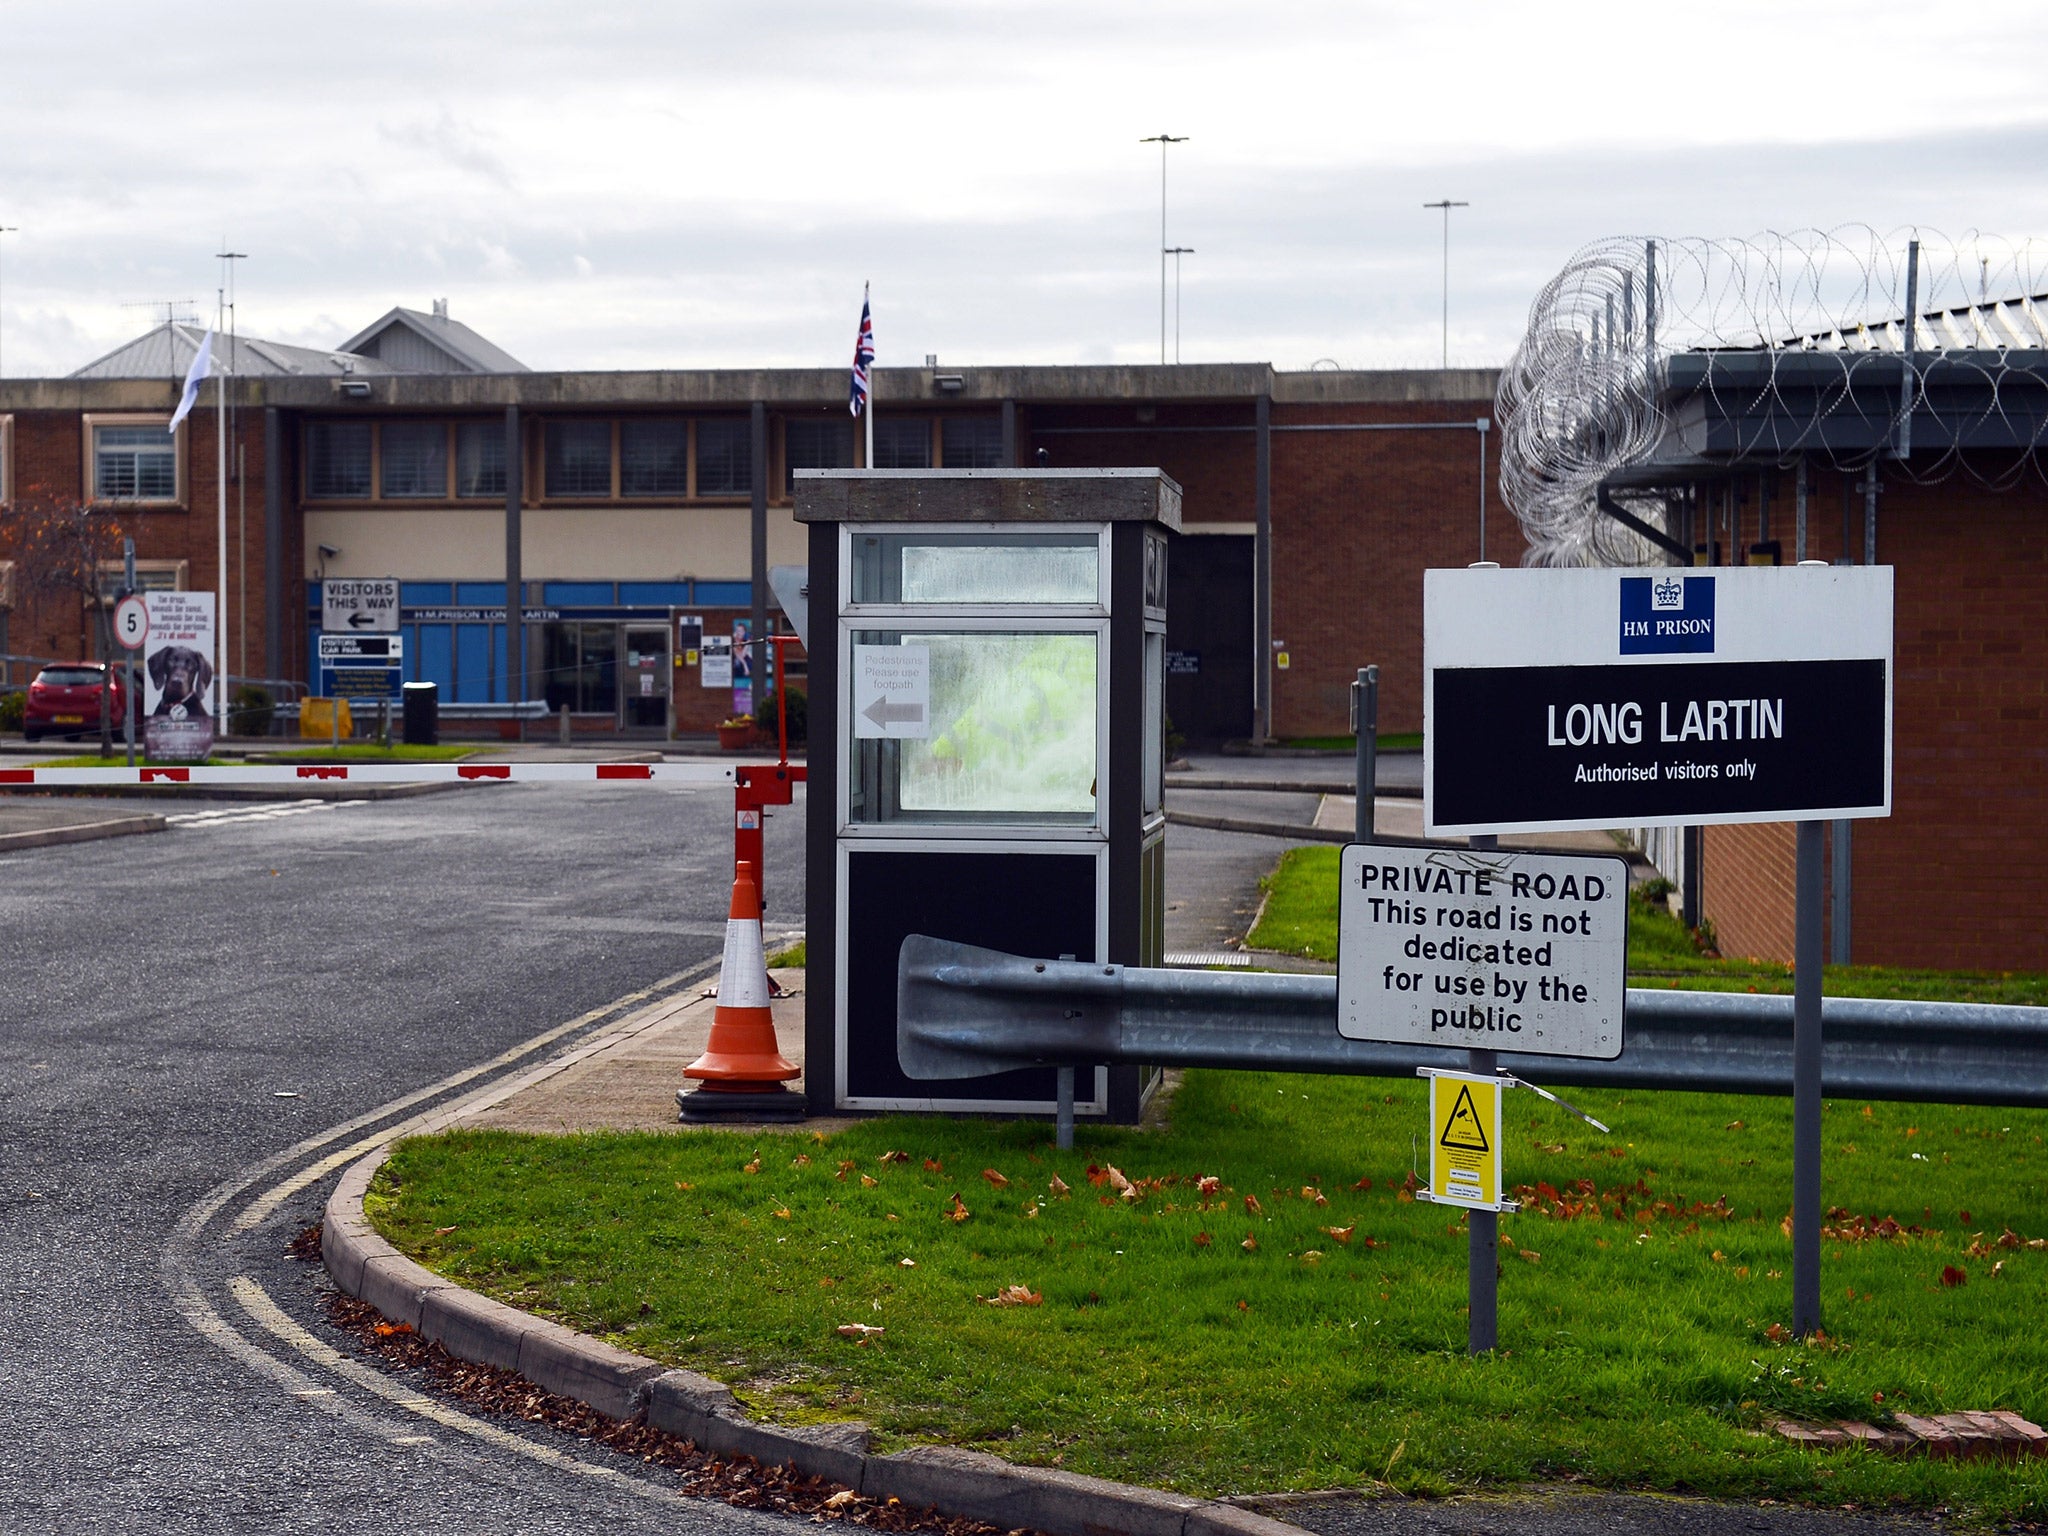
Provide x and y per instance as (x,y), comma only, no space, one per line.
(177,658)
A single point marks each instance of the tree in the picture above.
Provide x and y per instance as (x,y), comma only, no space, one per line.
(59,546)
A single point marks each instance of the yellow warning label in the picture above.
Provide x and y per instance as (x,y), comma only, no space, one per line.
(1464,1140)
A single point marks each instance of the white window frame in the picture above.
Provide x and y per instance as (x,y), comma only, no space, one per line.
(6,461)
(92,422)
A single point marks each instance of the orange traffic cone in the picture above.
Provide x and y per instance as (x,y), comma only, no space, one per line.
(741,1073)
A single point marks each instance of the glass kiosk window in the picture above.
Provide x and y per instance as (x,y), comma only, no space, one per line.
(1010,568)
(1011,732)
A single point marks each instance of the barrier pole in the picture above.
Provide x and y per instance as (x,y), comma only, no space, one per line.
(1482,1252)
(1806,1081)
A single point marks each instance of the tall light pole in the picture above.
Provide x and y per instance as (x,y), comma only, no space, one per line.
(1447,205)
(5,229)
(1162,140)
(1176,252)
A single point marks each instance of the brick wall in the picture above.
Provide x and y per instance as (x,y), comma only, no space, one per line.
(1357,518)
(1958,874)
(49,469)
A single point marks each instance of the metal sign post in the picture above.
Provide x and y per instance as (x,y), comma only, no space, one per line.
(123,625)
(1482,1243)
(1806,1083)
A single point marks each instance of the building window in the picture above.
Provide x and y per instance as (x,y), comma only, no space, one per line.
(724,458)
(971,442)
(413,459)
(579,458)
(814,443)
(902,443)
(654,458)
(338,459)
(479,458)
(134,463)
(580,667)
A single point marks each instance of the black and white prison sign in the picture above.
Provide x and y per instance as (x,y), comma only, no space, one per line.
(355,605)
(1598,698)
(1489,950)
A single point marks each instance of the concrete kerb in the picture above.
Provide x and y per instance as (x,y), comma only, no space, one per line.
(621,1385)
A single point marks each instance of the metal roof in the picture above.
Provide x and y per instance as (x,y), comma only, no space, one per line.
(469,352)
(167,353)
(1991,325)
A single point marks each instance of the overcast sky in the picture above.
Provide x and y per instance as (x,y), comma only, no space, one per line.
(662,184)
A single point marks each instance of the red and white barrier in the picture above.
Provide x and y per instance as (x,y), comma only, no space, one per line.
(370,773)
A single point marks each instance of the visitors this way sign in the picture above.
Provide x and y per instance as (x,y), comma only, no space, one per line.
(1601,698)
(1483,950)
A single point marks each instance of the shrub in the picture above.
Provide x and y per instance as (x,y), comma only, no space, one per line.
(799,717)
(251,712)
(13,707)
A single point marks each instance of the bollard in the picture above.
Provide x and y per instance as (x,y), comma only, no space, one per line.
(334,722)
(565,725)
(384,723)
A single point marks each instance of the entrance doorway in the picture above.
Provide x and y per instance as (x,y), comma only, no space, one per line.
(1209,637)
(644,679)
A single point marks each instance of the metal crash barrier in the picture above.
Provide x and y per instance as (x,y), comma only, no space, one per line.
(968,1012)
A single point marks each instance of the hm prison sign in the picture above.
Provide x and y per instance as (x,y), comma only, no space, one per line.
(1560,699)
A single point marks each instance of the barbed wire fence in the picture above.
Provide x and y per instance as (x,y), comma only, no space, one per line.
(1828,315)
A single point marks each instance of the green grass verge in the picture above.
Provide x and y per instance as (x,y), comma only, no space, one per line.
(792,956)
(1229,1341)
(120,760)
(1300,918)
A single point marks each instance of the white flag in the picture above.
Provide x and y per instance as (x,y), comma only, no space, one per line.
(202,365)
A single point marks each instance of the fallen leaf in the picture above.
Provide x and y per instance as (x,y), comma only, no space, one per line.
(868,1182)
(826,1283)
(1244,1306)
(995,1178)
(959,1212)
(1965,1217)
(1342,1234)
(1363,1184)
(1406,1197)
(1741,1270)
(1031,1209)
(894,1157)
(1310,1193)
(1553,1146)
(860,1331)
(1774,1274)
(818,1137)
(1867,1113)
(782,1212)
(1208,1184)
(1058,1186)
(1251,1205)
(684,1184)
(1732,1125)
(443,1231)
(906,1263)
(892,1216)
(754,1166)
(844,1169)
(801,1160)
(390,1330)
(1313,1256)
(1202,1239)
(1952,1277)
(1530,1254)
(841,1499)
(1998,1268)
(1720,1257)
(1117,1181)
(1014,1296)
(1250,1243)
(933,1165)
(1777,1333)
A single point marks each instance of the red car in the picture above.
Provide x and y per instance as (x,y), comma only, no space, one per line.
(64,700)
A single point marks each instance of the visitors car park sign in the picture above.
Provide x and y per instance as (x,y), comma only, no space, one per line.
(1483,949)
(1558,699)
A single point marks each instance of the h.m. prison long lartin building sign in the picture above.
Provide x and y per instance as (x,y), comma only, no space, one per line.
(1558,699)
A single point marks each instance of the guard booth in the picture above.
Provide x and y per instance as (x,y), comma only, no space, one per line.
(987,655)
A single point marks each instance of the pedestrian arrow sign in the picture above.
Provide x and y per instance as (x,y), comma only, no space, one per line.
(1464,1141)
(892,691)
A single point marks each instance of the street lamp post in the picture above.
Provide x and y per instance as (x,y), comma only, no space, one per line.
(1162,140)
(1176,252)
(5,229)
(1447,205)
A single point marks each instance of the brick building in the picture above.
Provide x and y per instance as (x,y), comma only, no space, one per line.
(622,503)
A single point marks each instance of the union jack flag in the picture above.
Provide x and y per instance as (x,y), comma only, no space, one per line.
(863,356)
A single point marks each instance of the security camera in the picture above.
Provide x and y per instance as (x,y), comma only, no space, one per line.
(328,552)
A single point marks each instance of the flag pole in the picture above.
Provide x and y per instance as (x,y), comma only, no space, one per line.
(874,381)
(220,634)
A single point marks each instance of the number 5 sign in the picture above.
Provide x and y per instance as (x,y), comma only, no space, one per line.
(131,621)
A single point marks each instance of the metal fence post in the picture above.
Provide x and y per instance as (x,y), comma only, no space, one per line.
(1365,723)
(1806,1081)
(1063,1132)
(565,725)
(1482,1285)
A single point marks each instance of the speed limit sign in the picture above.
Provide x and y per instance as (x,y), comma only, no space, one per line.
(131,621)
